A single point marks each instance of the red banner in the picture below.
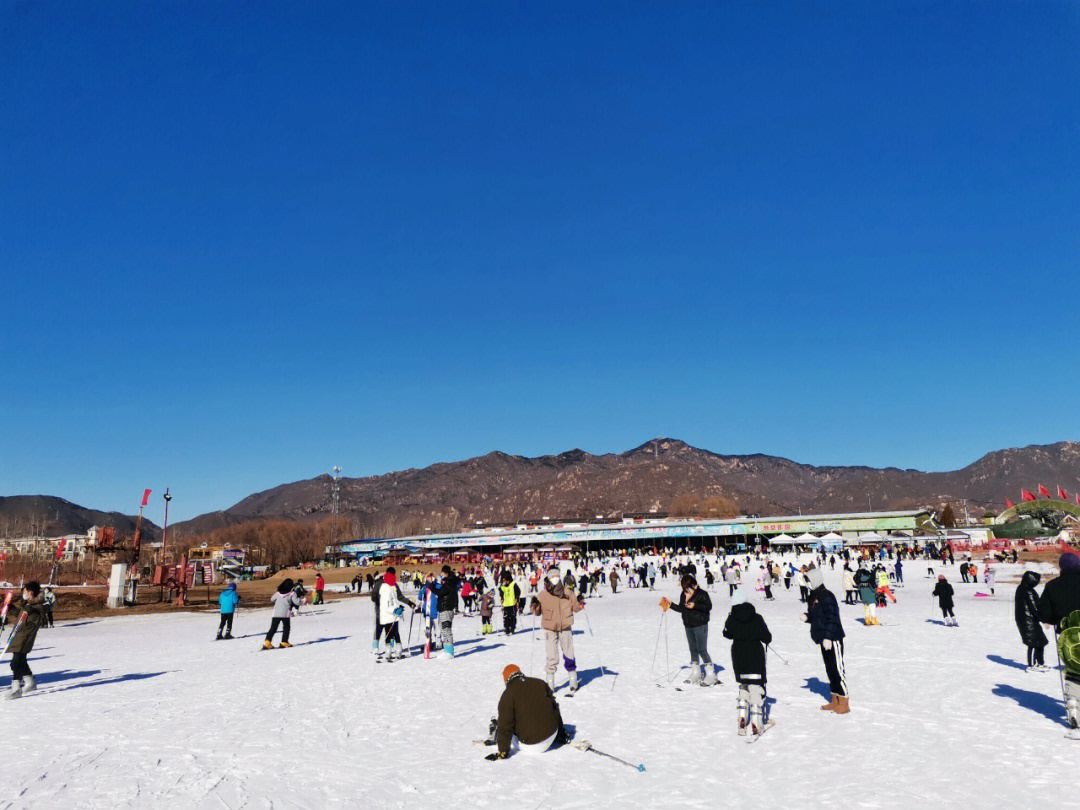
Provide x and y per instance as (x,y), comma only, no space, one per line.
(145,497)
(1027,496)
(1044,491)
(60,548)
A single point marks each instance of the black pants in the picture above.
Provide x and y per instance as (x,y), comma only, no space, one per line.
(731,588)
(49,617)
(509,620)
(787,583)
(393,634)
(768,591)
(19,668)
(274,622)
(947,613)
(318,600)
(803,593)
(1035,656)
(834,666)
(225,624)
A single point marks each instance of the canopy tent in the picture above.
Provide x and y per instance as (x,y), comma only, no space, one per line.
(831,541)
(863,539)
(782,540)
(806,537)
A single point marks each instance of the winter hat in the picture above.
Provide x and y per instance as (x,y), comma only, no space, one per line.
(509,671)
(1069,562)
(941,577)
(389,578)
(231,586)
(739,597)
(814,578)
(553,574)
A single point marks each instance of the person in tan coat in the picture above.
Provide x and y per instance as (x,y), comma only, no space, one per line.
(556,607)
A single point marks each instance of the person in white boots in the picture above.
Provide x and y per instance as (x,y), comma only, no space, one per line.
(556,606)
(695,607)
(31,618)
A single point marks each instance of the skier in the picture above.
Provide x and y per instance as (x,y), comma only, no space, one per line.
(944,593)
(320,586)
(731,577)
(487,607)
(48,599)
(284,601)
(227,601)
(509,593)
(556,608)
(652,576)
(749,637)
(827,632)
(390,610)
(695,606)
(1060,599)
(898,571)
(31,618)
(989,577)
(1026,608)
(864,583)
(529,717)
(849,586)
(447,589)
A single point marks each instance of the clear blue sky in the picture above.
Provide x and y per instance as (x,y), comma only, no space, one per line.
(242,242)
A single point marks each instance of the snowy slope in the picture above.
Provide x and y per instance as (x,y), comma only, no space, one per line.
(146,712)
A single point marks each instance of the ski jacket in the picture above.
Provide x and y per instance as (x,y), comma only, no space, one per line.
(749,634)
(557,608)
(697,615)
(229,599)
(1060,598)
(390,599)
(731,575)
(849,581)
(1026,607)
(528,711)
(284,602)
(864,581)
(30,620)
(824,615)
(944,593)
(487,605)
(447,591)
(374,591)
(320,583)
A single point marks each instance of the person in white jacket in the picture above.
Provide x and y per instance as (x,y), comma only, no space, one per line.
(284,601)
(390,610)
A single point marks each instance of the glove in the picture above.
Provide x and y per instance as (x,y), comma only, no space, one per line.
(826,644)
(399,611)
(665,603)
(802,617)
(493,757)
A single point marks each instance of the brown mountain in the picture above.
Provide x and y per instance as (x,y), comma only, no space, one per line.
(48,516)
(501,488)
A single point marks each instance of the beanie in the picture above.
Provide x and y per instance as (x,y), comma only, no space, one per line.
(739,597)
(814,578)
(509,670)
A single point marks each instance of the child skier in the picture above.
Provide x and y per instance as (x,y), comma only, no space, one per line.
(749,637)
(48,599)
(228,601)
(944,593)
(284,601)
(510,593)
(30,620)
(1027,621)
(695,606)
(864,583)
(487,607)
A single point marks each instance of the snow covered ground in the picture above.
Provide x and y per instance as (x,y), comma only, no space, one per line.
(148,711)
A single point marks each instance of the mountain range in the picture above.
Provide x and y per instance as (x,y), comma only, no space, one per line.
(656,475)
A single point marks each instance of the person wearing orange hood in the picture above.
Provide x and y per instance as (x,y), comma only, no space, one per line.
(529,718)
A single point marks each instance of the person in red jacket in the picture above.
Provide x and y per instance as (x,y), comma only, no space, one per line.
(320,586)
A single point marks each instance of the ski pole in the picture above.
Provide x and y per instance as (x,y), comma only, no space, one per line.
(1061,674)
(667,657)
(656,647)
(316,615)
(778,655)
(587,746)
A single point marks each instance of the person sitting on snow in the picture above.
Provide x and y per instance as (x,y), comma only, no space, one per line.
(529,717)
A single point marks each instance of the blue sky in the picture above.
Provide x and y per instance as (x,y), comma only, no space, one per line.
(243,242)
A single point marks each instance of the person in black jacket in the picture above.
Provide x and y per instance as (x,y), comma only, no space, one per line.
(695,606)
(749,637)
(827,632)
(447,589)
(944,593)
(1060,599)
(1026,607)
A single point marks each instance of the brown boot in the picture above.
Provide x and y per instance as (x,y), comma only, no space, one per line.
(841,704)
(831,705)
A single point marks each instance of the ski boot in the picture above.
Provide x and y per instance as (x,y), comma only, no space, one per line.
(743,707)
(710,676)
(695,674)
(1072,713)
(448,651)
(376,650)
(573,687)
(227,636)
(28,684)
(218,637)
(757,721)
(15,691)
(267,644)
(284,645)
(492,728)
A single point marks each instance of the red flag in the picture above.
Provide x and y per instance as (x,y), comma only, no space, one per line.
(1078,498)
(1044,491)
(1027,496)
(146,497)
(1009,504)
(1062,493)
(60,548)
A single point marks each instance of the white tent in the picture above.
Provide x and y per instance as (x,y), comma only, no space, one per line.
(873,537)
(806,537)
(782,540)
